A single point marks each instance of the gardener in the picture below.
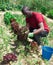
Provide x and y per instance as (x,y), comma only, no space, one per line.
(36,23)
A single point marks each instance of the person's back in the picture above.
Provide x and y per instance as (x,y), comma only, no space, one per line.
(35,19)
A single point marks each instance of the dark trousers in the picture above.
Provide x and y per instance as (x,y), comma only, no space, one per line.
(37,37)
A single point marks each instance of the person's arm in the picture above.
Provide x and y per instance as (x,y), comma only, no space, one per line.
(39,18)
(40,29)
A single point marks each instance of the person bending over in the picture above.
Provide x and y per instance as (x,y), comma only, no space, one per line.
(36,23)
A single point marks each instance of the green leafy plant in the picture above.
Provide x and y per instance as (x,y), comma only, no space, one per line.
(45,40)
(50,13)
(7,17)
(51,34)
(20,19)
(1,31)
(2,7)
(43,9)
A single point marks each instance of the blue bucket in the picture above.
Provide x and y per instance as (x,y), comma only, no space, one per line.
(47,52)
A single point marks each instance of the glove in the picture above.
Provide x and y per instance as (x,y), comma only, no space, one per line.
(30,35)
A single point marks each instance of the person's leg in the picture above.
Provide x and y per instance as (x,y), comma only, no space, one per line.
(43,33)
(37,37)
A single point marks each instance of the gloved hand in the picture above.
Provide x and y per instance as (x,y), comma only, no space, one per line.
(30,35)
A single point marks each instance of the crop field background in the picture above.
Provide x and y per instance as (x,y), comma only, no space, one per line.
(8,40)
